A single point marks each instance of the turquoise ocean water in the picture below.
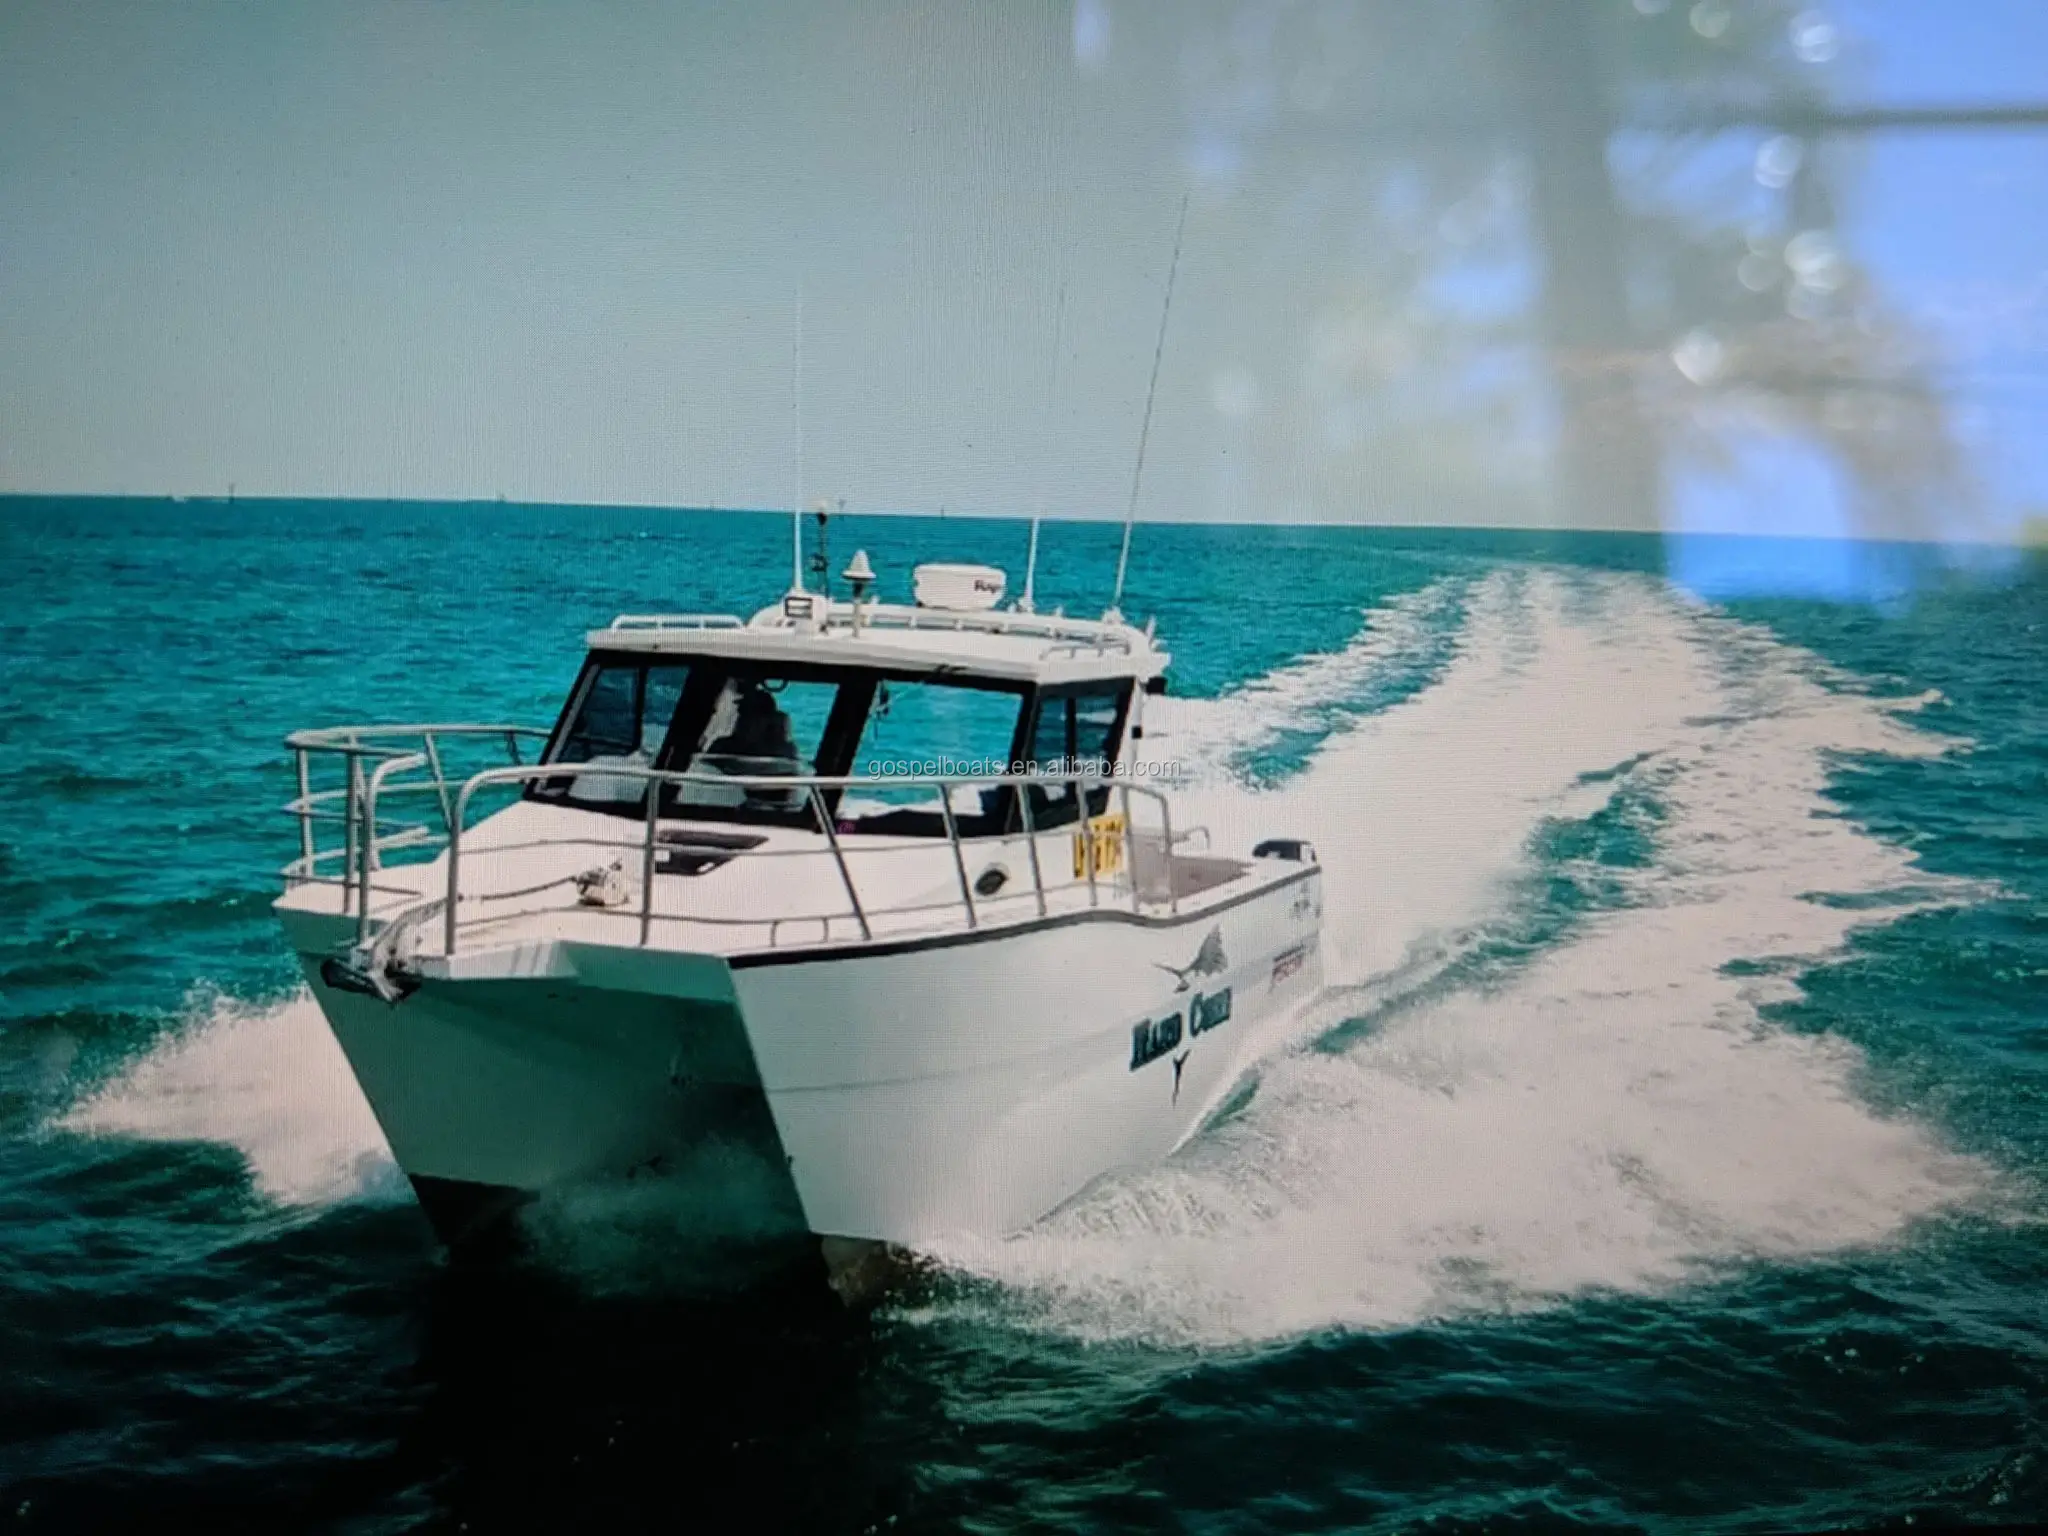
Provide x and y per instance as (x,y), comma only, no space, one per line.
(1667,1153)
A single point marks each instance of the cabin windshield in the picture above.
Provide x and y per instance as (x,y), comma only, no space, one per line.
(755,727)
(720,718)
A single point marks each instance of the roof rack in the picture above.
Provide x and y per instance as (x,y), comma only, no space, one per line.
(993,621)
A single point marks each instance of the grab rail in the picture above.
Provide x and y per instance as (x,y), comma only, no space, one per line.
(389,750)
(377,761)
(369,860)
(660,621)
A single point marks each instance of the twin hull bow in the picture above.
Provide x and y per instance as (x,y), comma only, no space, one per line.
(895,1092)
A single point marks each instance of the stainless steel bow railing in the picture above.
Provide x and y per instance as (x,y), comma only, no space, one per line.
(373,759)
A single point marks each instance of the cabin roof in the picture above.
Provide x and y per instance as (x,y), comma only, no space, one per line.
(1006,644)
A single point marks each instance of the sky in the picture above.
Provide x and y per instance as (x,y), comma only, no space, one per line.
(908,254)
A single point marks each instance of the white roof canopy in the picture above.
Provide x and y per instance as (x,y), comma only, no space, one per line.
(1017,647)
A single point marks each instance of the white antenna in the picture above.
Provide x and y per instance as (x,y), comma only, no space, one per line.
(796,506)
(1123,558)
(1024,603)
(1059,314)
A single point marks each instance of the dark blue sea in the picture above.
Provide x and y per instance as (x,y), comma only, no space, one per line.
(1667,1153)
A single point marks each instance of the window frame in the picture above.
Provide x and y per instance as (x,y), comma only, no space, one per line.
(595,663)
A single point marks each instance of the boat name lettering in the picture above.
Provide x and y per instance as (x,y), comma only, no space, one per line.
(1153,1038)
(1207,1011)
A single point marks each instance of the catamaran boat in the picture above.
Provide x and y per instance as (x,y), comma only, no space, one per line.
(853,916)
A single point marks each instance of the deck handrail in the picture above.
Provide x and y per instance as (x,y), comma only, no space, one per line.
(348,738)
(377,762)
(406,748)
(813,786)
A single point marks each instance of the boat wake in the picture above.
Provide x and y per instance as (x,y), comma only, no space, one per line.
(1468,1119)
(1610,1111)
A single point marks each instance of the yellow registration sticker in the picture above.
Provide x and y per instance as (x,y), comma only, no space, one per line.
(1100,845)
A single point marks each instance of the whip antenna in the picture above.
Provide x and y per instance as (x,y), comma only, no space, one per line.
(796,405)
(1026,603)
(1123,558)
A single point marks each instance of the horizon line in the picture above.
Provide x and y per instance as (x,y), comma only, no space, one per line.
(2029,532)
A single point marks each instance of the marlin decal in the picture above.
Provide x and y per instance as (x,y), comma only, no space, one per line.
(1179,1062)
(1208,961)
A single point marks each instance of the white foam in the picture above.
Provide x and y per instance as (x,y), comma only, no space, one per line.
(1421,811)
(268,1081)
(1204,736)
(1614,1114)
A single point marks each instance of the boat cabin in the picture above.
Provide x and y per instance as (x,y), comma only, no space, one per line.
(814,688)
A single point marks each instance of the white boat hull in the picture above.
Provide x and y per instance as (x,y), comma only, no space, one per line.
(897,1092)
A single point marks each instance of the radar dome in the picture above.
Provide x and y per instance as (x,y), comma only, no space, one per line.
(971,587)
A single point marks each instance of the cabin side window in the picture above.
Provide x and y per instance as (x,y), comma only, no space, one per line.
(1076,730)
